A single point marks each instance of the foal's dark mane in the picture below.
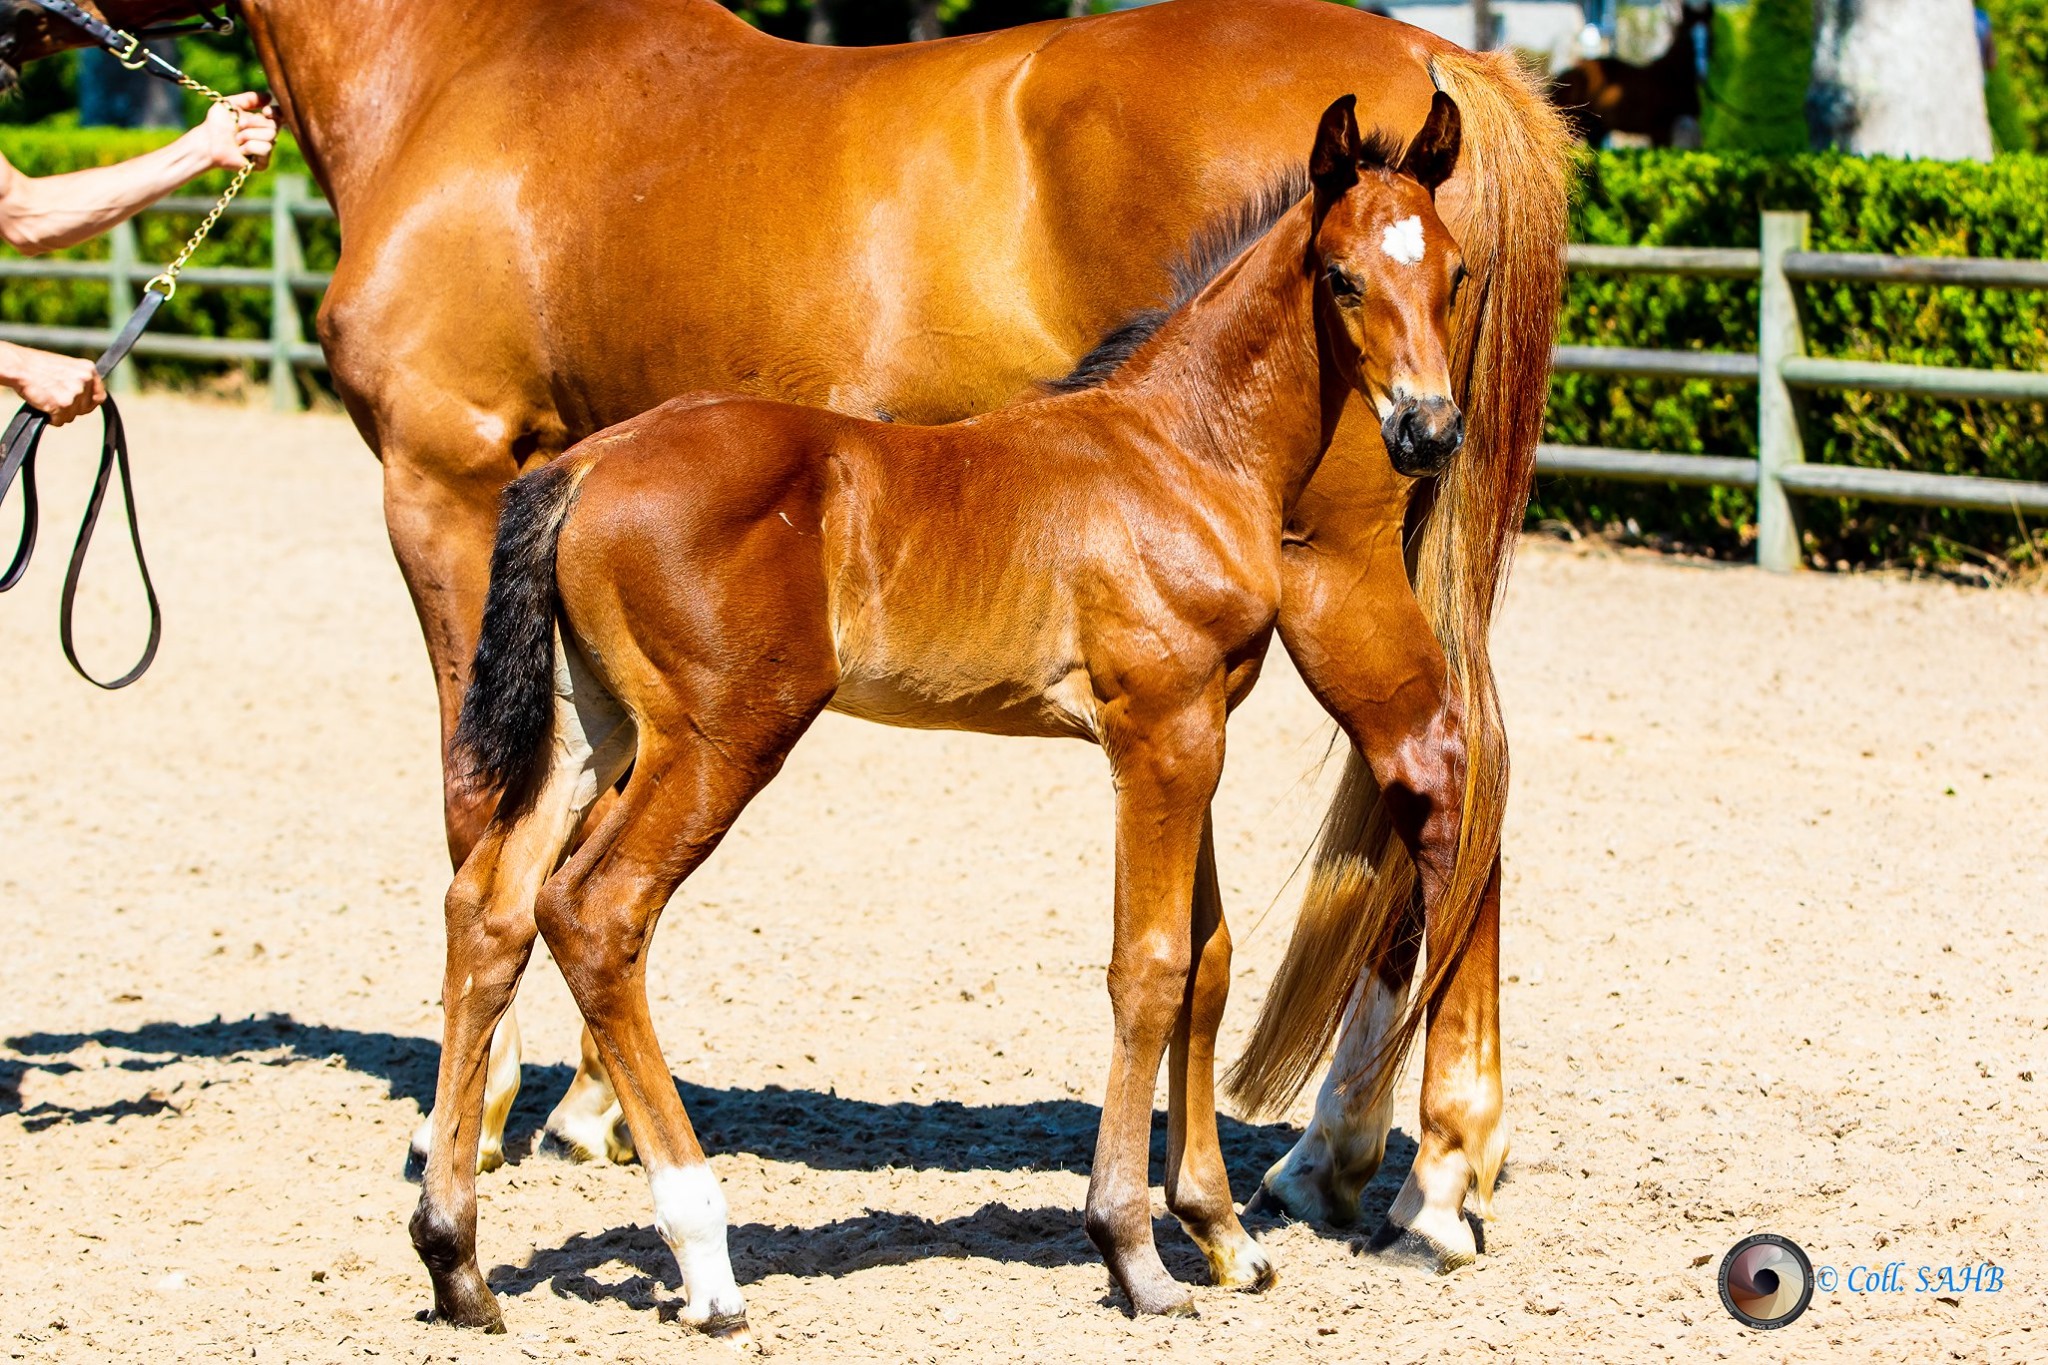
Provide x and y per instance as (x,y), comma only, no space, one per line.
(1215,245)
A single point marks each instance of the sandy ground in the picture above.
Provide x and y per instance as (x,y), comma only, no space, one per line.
(1777,910)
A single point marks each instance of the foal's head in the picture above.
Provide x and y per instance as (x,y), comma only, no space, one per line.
(1387,273)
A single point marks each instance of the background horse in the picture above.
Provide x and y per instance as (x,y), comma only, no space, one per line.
(1608,95)
(1104,561)
(556,218)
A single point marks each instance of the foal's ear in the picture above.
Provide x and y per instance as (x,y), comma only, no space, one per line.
(1433,155)
(1333,166)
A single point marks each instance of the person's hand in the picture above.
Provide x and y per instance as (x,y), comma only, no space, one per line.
(227,145)
(61,385)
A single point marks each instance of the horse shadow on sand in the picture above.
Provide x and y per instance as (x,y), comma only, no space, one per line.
(822,1130)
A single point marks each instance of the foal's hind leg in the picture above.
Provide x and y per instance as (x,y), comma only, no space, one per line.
(599,914)
(1197,1185)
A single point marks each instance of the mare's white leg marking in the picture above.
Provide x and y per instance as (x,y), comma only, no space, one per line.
(1403,241)
(501,1088)
(589,1122)
(689,1212)
(1341,1149)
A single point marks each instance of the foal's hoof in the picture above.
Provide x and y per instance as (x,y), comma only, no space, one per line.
(415,1165)
(1406,1246)
(476,1311)
(1240,1264)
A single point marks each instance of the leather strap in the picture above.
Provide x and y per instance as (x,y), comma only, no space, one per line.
(18,448)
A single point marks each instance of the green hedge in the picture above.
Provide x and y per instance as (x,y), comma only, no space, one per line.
(1643,198)
(1911,208)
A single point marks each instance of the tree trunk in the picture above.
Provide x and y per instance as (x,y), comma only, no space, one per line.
(1898,77)
(924,21)
(1482,25)
(819,30)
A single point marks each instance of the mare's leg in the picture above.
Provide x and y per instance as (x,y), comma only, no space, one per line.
(1197,1186)
(1352,625)
(1463,1141)
(441,491)
(1339,1152)
(490,931)
(501,1089)
(1166,771)
(588,1122)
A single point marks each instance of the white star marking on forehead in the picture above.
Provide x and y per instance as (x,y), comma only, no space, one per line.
(1403,241)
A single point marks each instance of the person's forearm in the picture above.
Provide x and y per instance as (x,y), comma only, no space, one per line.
(14,365)
(38,215)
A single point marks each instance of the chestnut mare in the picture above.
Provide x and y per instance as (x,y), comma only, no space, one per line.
(558,214)
(1102,562)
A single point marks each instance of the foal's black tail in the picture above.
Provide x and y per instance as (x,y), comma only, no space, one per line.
(508,713)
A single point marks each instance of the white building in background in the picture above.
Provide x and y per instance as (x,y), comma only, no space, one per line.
(1547,26)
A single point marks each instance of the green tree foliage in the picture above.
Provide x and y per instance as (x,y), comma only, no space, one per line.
(1755,100)
(2017,88)
(1921,208)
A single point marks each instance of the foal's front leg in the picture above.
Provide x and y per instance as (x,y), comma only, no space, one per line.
(1166,771)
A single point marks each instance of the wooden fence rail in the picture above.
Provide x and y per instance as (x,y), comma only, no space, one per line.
(1779,366)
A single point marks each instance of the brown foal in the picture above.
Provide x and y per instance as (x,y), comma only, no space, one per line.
(678,597)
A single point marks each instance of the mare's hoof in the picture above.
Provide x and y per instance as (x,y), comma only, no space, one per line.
(1406,1246)
(730,1328)
(1170,1302)
(590,1145)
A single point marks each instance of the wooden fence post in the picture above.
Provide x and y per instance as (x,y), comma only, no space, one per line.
(1778,337)
(121,272)
(286,259)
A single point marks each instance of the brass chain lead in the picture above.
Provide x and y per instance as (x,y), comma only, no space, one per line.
(168,280)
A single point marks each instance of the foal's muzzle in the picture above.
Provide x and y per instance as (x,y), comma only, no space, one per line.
(1422,434)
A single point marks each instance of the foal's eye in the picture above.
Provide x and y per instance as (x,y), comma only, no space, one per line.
(1457,283)
(1341,284)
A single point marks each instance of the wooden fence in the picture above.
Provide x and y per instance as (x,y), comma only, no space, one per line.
(1780,365)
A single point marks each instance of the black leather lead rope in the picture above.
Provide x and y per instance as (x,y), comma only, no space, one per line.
(18,457)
